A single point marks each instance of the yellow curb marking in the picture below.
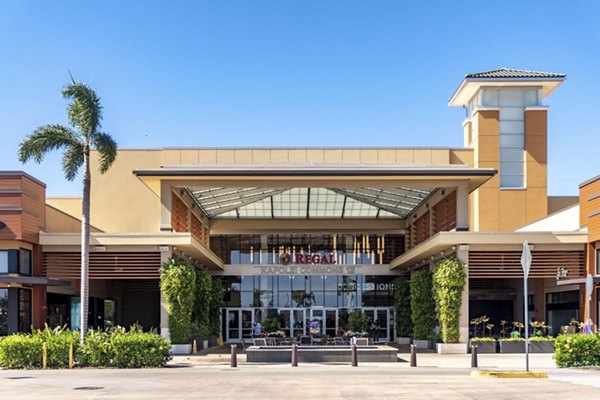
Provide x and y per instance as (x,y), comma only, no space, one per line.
(508,374)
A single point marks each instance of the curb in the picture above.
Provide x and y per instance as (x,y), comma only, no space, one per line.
(508,374)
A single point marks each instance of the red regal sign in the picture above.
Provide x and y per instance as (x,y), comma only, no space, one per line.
(299,258)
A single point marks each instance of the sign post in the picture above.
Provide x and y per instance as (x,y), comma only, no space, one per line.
(526,264)
(589,287)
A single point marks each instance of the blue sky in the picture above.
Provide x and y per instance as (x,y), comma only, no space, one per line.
(292,73)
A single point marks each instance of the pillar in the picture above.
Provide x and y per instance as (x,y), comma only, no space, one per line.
(462,254)
(462,207)
(164,313)
(165,206)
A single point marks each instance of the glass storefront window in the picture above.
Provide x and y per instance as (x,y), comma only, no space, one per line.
(3,312)
(24,310)
(25,262)
(3,262)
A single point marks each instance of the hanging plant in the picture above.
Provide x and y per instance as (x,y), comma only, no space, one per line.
(422,305)
(448,287)
(178,286)
(404,327)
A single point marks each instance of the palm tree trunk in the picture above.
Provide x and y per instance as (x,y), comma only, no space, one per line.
(85,244)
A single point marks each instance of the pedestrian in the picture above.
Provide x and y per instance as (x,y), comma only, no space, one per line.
(257,331)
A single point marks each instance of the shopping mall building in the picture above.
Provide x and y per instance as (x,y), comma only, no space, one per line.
(310,232)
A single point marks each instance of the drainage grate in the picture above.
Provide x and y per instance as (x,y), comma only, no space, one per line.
(89,388)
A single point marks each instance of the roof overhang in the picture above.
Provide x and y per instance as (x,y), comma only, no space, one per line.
(120,241)
(18,280)
(315,175)
(470,86)
(443,241)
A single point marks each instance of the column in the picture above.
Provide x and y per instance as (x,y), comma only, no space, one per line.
(462,254)
(462,207)
(164,314)
(165,206)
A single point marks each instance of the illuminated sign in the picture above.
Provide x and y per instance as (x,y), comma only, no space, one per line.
(309,258)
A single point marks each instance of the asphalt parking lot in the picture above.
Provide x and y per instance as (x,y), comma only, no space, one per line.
(209,376)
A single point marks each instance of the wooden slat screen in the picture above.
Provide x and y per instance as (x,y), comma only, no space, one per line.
(199,231)
(422,228)
(179,215)
(444,214)
(107,265)
(507,264)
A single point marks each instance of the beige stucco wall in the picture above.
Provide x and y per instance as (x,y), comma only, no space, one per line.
(496,209)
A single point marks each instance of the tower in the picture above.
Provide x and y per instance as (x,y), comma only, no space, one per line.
(506,126)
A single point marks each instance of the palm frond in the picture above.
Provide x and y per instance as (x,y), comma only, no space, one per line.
(44,139)
(85,111)
(73,160)
(107,150)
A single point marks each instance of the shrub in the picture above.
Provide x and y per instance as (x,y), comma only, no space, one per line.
(422,305)
(357,321)
(216,302)
(541,339)
(404,326)
(482,339)
(178,285)
(21,351)
(448,287)
(577,350)
(115,348)
(271,324)
(201,310)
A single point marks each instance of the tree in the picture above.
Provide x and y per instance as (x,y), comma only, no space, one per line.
(85,115)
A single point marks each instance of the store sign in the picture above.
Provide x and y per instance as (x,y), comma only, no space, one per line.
(309,258)
(307,269)
(365,287)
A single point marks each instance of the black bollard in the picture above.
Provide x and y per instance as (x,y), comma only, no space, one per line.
(233,356)
(294,355)
(413,355)
(354,356)
(474,357)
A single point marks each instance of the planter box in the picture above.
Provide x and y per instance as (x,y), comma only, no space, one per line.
(546,346)
(484,347)
(181,349)
(512,347)
(422,344)
(451,348)
(403,340)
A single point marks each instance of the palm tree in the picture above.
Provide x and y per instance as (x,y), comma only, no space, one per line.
(85,115)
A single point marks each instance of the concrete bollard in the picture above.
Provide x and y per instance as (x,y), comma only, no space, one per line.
(194,347)
(233,356)
(294,355)
(413,355)
(474,363)
(354,356)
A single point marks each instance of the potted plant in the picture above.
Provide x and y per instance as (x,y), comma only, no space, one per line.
(404,328)
(422,306)
(541,344)
(448,287)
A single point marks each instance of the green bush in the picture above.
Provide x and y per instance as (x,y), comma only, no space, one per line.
(422,305)
(541,339)
(116,348)
(483,339)
(577,350)
(201,310)
(178,285)
(271,324)
(21,351)
(357,321)
(216,302)
(404,327)
(448,287)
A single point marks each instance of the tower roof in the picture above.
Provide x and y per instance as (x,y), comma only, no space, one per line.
(505,77)
(514,73)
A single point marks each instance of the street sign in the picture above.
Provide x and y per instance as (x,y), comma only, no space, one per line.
(589,286)
(526,259)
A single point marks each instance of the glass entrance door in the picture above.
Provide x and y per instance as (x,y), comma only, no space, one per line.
(383,319)
(327,318)
(293,321)
(239,323)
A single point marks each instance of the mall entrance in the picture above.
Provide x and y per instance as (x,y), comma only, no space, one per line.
(238,323)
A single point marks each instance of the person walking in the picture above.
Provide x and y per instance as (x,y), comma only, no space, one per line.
(257,331)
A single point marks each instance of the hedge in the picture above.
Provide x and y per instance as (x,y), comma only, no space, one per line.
(448,287)
(422,305)
(178,285)
(404,326)
(116,348)
(577,350)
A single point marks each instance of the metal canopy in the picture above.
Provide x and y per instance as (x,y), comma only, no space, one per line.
(272,203)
